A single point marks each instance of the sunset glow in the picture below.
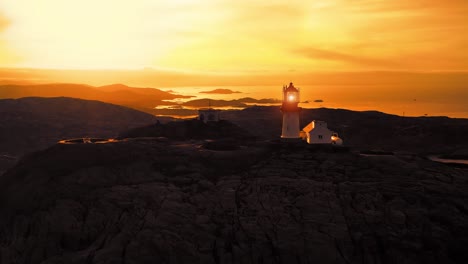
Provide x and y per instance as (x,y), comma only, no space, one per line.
(401,57)
(235,36)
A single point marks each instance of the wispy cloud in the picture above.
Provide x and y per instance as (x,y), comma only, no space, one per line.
(3,22)
(232,36)
(7,55)
(330,55)
(377,6)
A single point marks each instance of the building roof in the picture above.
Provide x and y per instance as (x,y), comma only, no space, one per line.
(311,126)
(291,88)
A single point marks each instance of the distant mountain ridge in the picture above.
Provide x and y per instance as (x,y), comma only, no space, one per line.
(220,91)
(116,93)
(241,102)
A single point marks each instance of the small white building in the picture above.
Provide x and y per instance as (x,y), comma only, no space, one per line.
(208,115)
(317,132)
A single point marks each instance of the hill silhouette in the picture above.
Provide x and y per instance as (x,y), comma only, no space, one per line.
(240,103)
(220,91)
(116,94)
(32,123)
(368,129)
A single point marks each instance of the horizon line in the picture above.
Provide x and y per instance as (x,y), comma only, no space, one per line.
(208,72)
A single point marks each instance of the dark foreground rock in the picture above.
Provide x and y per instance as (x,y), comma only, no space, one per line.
(191,129)
(149,201)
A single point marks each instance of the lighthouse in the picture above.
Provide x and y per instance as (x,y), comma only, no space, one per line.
(291,112)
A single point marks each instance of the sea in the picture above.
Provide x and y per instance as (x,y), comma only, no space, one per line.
(417,101)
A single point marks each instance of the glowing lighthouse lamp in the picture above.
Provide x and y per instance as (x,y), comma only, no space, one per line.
(291,112)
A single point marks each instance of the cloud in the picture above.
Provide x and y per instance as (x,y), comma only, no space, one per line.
(330,55)
(271,12)
(7,56)
(390,35)
(397,6)
(237,36)
(4,22)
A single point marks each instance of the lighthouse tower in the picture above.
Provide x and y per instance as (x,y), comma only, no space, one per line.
(291,112)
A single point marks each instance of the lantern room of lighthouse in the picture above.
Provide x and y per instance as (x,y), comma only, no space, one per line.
(291,112)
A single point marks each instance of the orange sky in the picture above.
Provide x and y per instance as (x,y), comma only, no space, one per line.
(243,36)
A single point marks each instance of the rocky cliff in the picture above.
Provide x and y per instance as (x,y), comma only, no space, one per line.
(159,201)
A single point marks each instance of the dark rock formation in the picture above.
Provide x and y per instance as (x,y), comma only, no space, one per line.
(33,123)
(156,201)
(190,129)
(460,153)
(366,130)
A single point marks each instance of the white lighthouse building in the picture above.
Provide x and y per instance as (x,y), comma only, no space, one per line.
(291,112)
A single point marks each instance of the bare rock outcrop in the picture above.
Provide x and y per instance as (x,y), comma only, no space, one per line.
(167,202)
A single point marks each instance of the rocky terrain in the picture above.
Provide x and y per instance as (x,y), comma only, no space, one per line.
(33,123)
(227,192)
(190,129)
(366,130)
(153,200)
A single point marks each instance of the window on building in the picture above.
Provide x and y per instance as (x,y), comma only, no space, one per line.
(320,136)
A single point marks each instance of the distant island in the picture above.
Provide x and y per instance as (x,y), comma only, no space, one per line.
(239,103)
(220,91)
